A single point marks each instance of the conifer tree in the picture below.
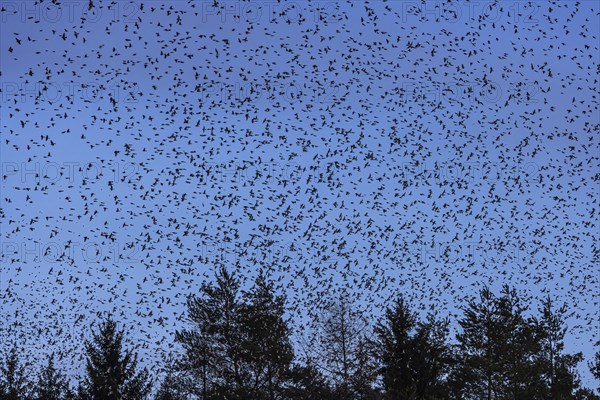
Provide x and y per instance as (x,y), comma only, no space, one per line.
(171,388)
(595,368)
(268,352)
(212,356)
(414,355)
(497,347)
(238,346)
(307,383)
(14,379)
(51,383)
(112,372)
(558,370)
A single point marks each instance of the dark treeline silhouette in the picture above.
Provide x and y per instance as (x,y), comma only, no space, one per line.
(238,346)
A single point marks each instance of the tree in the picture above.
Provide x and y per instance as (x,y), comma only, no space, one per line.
(307,383)
(585,394)
(497,347)
(343,350)
(414,355)
(238,346)
(112,371)
(268,352)
(558,369)
(365,373)
(595,366)
(171,389)
(51,383)
(14,384)
(212,356)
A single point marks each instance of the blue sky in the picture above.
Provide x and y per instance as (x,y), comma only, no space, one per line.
(376,147)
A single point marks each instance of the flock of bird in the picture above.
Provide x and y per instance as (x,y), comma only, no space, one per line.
(370,147)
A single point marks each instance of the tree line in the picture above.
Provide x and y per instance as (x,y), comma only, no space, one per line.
(238,346)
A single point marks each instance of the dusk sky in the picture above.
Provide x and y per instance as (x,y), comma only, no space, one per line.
(369,147)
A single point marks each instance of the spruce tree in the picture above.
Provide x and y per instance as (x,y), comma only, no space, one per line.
(14,381)
(393,344)
(558,369)
(414,355)
(268,352)
(212,353)
(308,383)
(52,384)
(595,368)
(497,347)
(112,372)
(171,388)
(238,346)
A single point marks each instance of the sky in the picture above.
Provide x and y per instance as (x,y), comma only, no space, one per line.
(375,148)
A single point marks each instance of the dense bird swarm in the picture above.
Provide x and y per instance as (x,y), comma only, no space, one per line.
(365,147)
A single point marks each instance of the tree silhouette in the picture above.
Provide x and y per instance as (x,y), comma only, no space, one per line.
(212,353)
(14,381)
(52,384)
(504,354)
(414,355)
(112,372)
(595,368)
(497,346)
(172,388)
(558,370)
(238,347)
(268,352)
(307,383)
(343,349)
